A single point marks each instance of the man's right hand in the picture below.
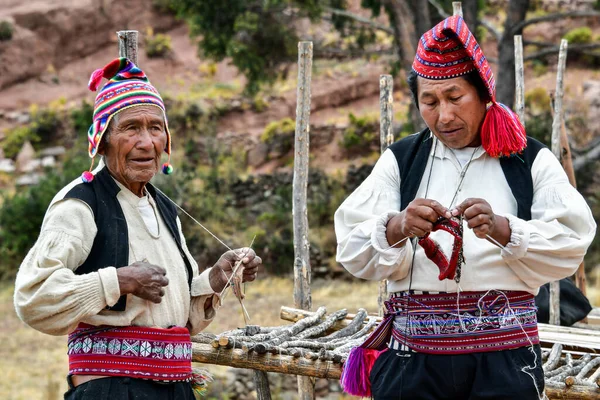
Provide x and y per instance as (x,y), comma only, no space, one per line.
(143,280)
(416,219)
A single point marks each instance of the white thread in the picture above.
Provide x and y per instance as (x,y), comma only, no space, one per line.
(498,244)
(194,219)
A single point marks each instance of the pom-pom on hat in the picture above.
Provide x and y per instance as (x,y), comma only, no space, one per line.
(450,50)
(127,87)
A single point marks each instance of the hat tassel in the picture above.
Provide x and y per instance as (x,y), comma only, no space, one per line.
(88,176)
(502,134)
(167,168)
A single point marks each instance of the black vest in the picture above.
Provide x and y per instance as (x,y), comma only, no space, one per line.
(111,244)
(413,151)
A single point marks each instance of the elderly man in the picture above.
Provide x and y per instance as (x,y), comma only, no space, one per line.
(111,267)
(466,220)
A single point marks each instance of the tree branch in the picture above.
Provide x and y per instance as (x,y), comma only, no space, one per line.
(360,19)
(592,155)
(553,17)
(555,49)
(439,8)
(491,28)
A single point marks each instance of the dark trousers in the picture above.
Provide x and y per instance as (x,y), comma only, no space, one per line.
(497,375)
(120,388)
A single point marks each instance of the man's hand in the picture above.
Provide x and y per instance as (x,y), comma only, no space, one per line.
(416,219)
(223,268)
(143,280)
(481,218)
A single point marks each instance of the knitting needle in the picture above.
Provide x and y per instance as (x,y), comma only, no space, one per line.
(491,239)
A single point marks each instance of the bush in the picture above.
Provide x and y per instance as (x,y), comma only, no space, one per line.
(15,138)
(285,126)
(21,215)
(361,134)
(158,46)
(6,31)
(579,35)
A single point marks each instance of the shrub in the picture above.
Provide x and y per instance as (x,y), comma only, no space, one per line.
(579,35)
(361,133)
(284,126)
(15,138)
(158,46)
(6,31)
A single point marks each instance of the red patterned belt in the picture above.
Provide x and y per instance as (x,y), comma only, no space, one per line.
(451,323)
(133,351)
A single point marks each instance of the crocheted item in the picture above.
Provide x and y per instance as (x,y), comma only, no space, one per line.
(450,50)
(449,269)
(127,87)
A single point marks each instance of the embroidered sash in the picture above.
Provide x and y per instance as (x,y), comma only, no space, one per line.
(475,322)
(133,351)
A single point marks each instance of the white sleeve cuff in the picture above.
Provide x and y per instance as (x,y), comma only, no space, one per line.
(519,238)
(110,285)
(201,284)
(387,255)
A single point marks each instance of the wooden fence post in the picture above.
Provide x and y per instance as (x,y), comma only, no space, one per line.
(386,137)
(128,45)
(519,79)
(556,149)
(302,272)
(457,8)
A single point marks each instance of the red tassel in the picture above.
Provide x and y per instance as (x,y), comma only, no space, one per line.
(502,134)
(95,79)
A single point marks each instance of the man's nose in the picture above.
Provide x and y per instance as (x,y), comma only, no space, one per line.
(447,113)
(144,139)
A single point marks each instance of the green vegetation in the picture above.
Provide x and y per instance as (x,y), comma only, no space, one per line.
(361,134)
(579,35)
(159,45)
(6,31)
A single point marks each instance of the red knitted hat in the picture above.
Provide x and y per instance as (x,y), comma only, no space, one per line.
(450,50)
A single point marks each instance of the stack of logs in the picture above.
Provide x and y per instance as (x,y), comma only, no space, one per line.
(563,371)
(301,339)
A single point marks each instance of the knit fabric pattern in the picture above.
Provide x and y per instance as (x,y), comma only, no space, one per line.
(127,87)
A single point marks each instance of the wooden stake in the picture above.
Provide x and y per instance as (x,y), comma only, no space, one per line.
(302,272)
(519,79)
(457,8)
(128,45)
(556,149)
(386,138)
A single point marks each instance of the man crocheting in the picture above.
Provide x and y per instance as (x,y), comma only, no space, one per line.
(466,220)
(111,267)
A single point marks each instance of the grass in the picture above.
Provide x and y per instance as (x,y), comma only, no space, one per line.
(35,365)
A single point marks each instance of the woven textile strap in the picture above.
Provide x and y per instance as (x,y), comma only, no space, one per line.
(133,351)
(468,322)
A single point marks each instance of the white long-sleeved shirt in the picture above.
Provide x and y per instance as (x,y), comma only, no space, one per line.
(51,298)
(548,247)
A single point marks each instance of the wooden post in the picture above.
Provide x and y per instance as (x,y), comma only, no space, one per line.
(386,138)
(457,8)
(261,383)
(556,149)
(519,79)
(128,45)
(302,274)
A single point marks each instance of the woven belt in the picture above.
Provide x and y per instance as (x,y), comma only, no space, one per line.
(133,351)
(468,322)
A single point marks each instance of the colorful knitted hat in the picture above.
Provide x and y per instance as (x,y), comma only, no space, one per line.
(450,50)
(127,87)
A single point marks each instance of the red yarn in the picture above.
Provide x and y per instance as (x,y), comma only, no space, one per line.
(107,72)
(502,134)
(357,369)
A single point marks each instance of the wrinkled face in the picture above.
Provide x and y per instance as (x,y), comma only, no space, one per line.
(452,110)
(134,146)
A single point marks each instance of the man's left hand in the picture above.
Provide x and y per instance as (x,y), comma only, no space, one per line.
(223,268)
(481,218)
